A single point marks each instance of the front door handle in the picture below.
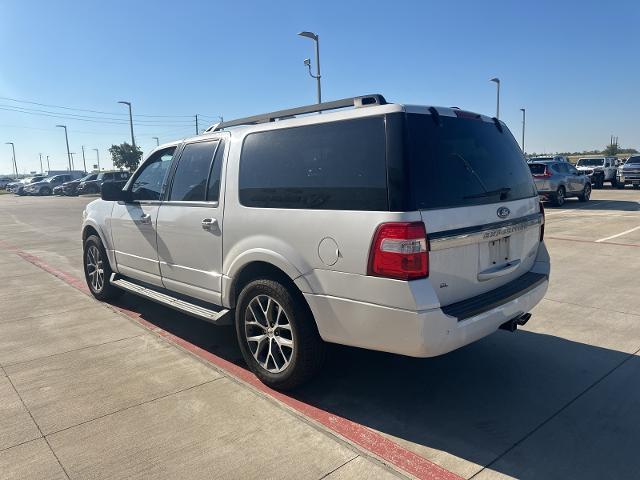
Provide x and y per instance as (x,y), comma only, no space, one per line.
(145,219)
(209,224)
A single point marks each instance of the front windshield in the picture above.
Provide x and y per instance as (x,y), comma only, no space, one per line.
(590,162)
(633,160)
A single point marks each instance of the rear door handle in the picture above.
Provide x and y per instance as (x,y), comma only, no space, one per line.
(209,224)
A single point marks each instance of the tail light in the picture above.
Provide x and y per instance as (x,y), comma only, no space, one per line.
(543,222)
(545,174)
(399,250)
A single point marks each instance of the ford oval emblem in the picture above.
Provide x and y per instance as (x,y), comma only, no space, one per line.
(503,212)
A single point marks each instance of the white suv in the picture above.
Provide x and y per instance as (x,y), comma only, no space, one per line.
(407,229)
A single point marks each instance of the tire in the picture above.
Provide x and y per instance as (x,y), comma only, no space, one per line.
(45,191)
(599,182)
(620,185)
(560,197)
(299,350)
(586,193)
(95,254)
(636,186)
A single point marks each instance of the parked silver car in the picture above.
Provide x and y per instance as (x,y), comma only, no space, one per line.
(408,229)
(556,181)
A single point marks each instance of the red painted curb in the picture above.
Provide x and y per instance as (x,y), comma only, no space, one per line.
(356,433)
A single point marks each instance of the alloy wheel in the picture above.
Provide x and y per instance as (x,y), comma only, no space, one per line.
(95,268)
(268,333)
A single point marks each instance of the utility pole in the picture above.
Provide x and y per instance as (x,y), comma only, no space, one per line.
(48,167)
(41,171)
(15,165)
(98,157)
(307,62)
(496,80)
(197,131)
(84,162)
(157,141)
(73,167)
(133,141)
(66,137)
(523,125)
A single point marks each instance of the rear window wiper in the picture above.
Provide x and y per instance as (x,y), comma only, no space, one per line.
(470,169)
(489,193)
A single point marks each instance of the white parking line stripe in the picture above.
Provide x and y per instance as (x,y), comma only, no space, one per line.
(618,235)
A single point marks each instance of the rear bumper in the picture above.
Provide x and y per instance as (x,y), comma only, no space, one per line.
(424,333)
(416,334)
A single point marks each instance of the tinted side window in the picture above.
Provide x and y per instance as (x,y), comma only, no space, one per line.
(190,179)
(149,182)
(213,191)
(336,166)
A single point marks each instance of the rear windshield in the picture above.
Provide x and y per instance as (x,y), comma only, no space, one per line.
(537,168)
(463,162)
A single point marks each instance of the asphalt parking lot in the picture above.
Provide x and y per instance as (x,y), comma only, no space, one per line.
(87,392)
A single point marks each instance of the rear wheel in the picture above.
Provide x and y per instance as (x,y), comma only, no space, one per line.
(97,270)
(45,191)
(620,185)
(586,193)
(277,335)
(559,198)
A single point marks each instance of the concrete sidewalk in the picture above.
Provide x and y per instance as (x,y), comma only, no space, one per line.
(85,392)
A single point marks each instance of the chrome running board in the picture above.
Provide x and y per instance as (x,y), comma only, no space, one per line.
(219,317)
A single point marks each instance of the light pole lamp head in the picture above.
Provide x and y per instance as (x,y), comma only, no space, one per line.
(310,35)
(8,143)
(61,126)
(495,79)
(307,62)
(125,103)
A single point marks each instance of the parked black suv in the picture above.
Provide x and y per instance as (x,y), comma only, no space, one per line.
(71,188)
(94,186)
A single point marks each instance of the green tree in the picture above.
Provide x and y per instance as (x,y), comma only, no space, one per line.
(611,150)
(125,156)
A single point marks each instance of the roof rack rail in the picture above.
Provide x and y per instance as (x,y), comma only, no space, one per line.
(357,102)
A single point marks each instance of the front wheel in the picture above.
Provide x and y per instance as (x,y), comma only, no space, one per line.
(620,185)
(277,335)
(45,191)
(586,193)
(97,270)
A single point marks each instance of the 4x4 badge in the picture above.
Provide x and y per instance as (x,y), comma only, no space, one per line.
(503,212)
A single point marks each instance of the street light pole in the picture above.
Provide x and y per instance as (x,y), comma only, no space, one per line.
(15,165)
(523,110)
(307,62)
(73,167)
(98,157)
(48,167)
(84,161)
(497,82)
(133,141)
(157,141)
(41,171)
(196,124)
(66,137)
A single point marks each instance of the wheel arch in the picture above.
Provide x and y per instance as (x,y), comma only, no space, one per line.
(88,229)
(262,268)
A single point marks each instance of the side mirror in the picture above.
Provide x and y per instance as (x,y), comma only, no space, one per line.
(113,192)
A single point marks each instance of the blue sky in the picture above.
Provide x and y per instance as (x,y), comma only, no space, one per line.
(573,65)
